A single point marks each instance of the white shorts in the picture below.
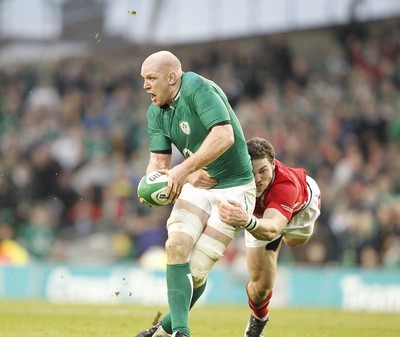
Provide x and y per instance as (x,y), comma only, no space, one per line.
(208,201)
(302,224)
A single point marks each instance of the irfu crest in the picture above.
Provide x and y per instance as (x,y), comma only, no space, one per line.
(185,127)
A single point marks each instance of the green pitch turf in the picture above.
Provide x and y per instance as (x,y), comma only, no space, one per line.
(43,319)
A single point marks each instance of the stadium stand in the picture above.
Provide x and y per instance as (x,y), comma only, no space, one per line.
(73,142)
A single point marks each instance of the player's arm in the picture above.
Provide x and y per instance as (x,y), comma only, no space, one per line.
(220,139)
(267,228)
(159,161)
(202,179)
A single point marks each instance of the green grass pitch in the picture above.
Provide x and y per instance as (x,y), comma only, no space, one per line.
(44,319)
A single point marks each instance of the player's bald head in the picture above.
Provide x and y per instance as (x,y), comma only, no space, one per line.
(163,62)
(162,74)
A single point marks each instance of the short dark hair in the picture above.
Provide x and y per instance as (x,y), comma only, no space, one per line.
(260,148)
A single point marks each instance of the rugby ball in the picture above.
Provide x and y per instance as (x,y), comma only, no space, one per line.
(151,189)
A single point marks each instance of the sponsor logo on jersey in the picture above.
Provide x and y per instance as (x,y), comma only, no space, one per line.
(185,127)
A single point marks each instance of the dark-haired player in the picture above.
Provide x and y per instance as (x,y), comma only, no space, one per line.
(287,206)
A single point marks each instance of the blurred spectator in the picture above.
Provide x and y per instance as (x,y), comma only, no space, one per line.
(11,252)
(37,234)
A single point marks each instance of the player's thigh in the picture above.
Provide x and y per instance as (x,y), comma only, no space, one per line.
(187,218)
(208,201)
(301,226)
(244,195)
(262,265)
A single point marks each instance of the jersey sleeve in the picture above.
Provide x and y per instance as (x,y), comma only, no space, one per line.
(283,200)
(209,102)
(158,141)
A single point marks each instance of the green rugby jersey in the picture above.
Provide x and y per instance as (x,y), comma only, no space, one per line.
(199,105)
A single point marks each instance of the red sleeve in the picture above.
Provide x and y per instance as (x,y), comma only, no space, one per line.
(282,197)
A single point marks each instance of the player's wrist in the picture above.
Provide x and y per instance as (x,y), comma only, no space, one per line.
(252,224)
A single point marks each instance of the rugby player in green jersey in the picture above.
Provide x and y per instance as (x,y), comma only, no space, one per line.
(194,114)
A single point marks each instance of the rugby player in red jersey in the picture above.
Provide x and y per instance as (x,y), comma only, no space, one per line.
(288,204)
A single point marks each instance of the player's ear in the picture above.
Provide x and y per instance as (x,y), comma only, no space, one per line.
(172,78)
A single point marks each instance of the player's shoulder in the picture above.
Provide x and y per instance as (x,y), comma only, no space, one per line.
(190,76)
(191,82)
(284,169)
(289,179)
(280,166)
(283,175)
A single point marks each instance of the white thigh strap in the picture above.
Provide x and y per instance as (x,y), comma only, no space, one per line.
(182,220)
(206,252)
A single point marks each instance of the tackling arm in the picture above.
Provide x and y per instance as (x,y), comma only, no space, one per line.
(268,227)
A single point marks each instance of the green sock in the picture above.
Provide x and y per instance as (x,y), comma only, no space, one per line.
(166,320)
(180,289)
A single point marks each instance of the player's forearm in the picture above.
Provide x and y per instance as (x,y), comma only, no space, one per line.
(266,232)
(158,162)
(264,229)
(219,140)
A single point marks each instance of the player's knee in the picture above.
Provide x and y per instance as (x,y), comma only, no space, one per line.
(178,249)
(184,228)
(199,280)
(262,280)
(263,290)
(206,252)
(295,241)
(258,290)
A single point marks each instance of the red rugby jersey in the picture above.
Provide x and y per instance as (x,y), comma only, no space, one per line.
(287,192)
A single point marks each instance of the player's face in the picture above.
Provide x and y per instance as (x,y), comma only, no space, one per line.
(263,172)
(156,84)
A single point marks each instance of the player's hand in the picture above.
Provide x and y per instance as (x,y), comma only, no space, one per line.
(176,179)
(201,179)
(233,214)
(144,202)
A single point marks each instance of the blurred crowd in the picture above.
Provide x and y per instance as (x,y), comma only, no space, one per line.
(73,145)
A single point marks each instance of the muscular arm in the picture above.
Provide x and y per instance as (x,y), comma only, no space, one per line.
(159,162)
(219,140)
(269,226)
